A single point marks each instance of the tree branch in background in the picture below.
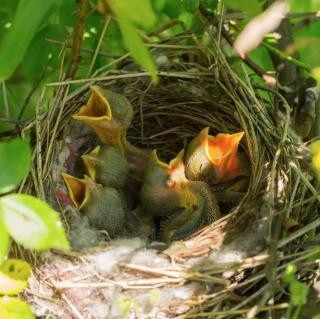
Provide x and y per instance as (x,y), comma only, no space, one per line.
(307,19)
(252,65)
(77,38)
(214,20)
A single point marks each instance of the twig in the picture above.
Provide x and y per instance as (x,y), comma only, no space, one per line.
(77,38)
(309,17)
(87,50)
(282,55)
(182,75)
(105,27)
(299,233)
(214,21)
(74,310)
(11,121)
(34,88)
(5,99)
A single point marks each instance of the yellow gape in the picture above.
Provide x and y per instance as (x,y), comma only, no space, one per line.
(109,114)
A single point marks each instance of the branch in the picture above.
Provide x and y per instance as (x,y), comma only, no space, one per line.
(214,20)
(77,38)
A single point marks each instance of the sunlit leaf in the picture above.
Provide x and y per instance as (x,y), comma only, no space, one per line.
(14,308)
(28,16)
(190,5)
(137,48)
(137,11)
(129,14)
(10,286)
(4,241)
(32,223)
(210,4)
(251,8)
(299,292)
(289,274)
(14,274)
(315,150)
(15,159)
(16,268)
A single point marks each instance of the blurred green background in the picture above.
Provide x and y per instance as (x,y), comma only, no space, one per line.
(48,26)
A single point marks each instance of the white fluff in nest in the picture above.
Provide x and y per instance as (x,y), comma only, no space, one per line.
(154,303)
(178,293)
(223,257)
(106,262)
(83,236)
(99,310)
(149,258)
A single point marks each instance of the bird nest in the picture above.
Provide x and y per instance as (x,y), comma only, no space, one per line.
(222,270)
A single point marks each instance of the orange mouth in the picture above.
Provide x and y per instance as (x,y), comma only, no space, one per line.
(222,153)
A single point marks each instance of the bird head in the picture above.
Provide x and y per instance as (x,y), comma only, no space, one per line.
(163,174)
(90,160)
(222,152)
(109,114)
(80,189)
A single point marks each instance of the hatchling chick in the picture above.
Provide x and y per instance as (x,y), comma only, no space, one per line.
(103,206)
(215,159)
(160,192)
(200,209)
(109,114)
(107,166)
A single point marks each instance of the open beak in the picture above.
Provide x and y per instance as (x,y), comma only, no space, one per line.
(177,175)
(78,189)
(89,161)
(222,153)
(108,114)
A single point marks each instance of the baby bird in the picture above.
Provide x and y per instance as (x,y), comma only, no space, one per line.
(109,114)
(200,209)
(107,166)
(103,206)
(214,159)
(160,192)
(140,224)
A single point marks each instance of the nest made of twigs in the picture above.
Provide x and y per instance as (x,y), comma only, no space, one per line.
(189,97)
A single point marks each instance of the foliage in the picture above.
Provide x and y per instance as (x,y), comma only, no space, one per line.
(24,25)
(32,35)
(28,220)
(130,13)
(298,292)
(315,150)
(11,171)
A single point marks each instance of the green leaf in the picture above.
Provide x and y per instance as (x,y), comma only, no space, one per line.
(16,268)
(10,286)
(14,308)
(210,4)
(251,7)
(136,11)
(32,222)
(4,241)
(299,292)
(28,17)
(15,159)
(289,274)
(315,151)
(14,274)
(190,5)
(137,48)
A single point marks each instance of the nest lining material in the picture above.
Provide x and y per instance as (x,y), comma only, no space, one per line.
(190,276)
